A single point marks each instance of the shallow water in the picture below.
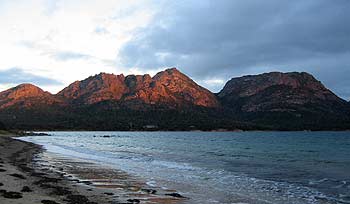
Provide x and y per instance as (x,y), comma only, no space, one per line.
(222,167)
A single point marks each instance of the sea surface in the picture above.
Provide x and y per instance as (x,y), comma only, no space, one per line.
(222,167)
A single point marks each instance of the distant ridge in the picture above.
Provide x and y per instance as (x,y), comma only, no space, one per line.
(25,95)
(170,100)
(266,92)
(294,100)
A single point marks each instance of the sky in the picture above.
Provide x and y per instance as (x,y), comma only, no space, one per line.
(52,43)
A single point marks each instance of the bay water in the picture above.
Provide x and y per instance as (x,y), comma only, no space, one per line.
(221,167)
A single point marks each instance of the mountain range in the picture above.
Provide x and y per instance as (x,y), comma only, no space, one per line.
(170,100)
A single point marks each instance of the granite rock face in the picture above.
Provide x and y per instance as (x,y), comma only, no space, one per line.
(26,95)
(169,87)
(95,89)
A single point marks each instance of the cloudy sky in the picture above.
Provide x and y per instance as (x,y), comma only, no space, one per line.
(52,43)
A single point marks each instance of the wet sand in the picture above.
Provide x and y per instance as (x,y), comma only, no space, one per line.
(26,176)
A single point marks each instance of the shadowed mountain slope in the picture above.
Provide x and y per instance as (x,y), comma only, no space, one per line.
(277,98)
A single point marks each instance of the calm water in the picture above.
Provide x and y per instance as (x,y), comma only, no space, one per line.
(223,167)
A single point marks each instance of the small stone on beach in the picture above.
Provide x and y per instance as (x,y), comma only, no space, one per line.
(77,199)
(12,195)
(150,191)
(18,176)
(86,182)
(176,195)
(49,202)
(26,189)
(133,200)
(37,174)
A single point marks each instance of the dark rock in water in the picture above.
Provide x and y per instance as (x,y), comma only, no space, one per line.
(25,168)
(77,199)
(49,202)
(108,193)
(176,195)
(26,189)
(150,191)
(47,180)
(12,195)
(2,170)
(18,176)
(106,136)
(134,200)
(37,174)
(86,182)
(1,184)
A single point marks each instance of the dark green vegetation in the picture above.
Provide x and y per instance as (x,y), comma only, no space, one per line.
(172,101)
(113,116)
(2,126)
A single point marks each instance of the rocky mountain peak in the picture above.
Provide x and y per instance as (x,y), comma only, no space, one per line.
(26,94)
(274,90)
(23,91)
(253,84)
(95,89)
(172,86)
(166,87)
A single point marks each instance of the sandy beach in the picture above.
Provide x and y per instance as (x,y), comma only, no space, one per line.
(20,183)
(23,181)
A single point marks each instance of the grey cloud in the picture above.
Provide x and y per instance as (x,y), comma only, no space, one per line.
(56,54)
(65,56)
(229,38)
(17,75)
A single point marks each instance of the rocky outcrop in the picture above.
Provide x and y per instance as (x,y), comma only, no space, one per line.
(169,87)
(26,95)
(94,89)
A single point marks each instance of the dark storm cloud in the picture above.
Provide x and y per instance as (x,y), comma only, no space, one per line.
(229,38)
(17,76)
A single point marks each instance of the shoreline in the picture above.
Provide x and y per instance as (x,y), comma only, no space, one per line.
(24,180)
(27,132)
(22,183)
